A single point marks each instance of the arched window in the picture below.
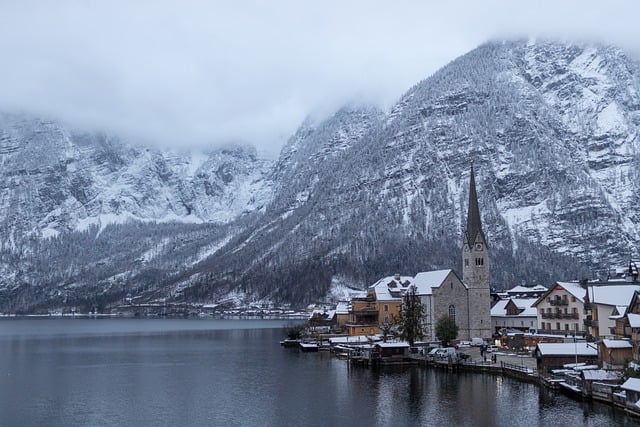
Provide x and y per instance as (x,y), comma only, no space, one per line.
(452,312)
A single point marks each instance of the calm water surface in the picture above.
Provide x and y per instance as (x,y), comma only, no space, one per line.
(138,372)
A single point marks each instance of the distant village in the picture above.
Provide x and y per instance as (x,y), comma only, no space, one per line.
(579,336)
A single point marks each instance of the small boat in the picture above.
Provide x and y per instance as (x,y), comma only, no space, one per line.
(289,343)
(309,346)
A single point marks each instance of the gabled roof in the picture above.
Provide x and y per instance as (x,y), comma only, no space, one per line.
(427,280)
(391,287)
(574,288)
(524,304)
(564,349)
(616,295)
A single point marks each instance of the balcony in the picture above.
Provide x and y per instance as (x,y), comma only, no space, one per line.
(559,301)
(568,315)
(588,306)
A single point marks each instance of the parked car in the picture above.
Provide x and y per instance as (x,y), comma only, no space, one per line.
(432,353)
(492,348)
(477,342)
(463,344)
(444,353)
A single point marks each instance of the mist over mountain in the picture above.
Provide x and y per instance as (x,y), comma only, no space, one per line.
(552,129)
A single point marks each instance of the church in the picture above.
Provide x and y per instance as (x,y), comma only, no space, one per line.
(442,292)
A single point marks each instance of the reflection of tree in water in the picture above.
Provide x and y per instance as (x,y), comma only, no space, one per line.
(416,392)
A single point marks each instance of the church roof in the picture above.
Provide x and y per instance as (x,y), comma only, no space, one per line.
(427,280)
(474,225)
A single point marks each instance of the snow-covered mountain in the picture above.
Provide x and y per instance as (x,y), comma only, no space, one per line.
(54,181)
(552,128)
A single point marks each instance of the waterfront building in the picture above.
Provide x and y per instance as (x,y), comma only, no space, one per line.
(604,303)
(442,292)
(614,354)
(560,310)
(628,325)
(551,356)
(515,313)
(631,387)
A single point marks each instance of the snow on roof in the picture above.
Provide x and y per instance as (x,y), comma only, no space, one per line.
(631,384)
(427,280)
(634,320)
(398,284)
(524,289)
(616,343)
(354,339)
(393,344)
(525,304)
(620,309)
(574,288)
(618,295)
(563,349)
(600,375)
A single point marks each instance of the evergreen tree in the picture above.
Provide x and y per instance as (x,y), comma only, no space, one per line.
(446,330)
(411,317)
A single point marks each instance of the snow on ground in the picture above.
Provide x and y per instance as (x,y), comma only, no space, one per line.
(342,289)
(611,120)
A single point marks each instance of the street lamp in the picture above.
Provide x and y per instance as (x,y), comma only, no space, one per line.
(575,343)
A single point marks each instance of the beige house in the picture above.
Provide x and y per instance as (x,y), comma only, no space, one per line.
(561,309)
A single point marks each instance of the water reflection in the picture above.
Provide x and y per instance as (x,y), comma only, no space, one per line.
(203,373)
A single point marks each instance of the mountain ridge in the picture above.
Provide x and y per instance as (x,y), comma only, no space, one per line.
(552,128)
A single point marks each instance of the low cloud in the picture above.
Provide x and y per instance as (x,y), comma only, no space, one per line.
(201,73)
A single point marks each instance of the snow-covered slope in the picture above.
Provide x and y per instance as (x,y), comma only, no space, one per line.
(552,128)
(54,181)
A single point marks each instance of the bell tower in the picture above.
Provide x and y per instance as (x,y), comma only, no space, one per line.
(475,267)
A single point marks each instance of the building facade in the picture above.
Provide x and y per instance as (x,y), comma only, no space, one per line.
(561,309)
(467,301)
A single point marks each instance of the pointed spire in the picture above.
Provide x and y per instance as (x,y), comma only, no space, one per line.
(474,226)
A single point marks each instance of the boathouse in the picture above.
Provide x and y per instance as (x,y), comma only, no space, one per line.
(632,392)
(614,354)
(551,356)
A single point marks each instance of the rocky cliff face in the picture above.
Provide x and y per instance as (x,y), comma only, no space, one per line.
(552,128)
(54,181)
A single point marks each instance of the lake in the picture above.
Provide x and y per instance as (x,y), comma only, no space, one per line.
(193,372)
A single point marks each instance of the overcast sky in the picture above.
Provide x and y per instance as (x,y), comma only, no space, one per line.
(202,73)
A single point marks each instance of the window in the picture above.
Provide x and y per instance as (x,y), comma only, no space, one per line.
(573,299)
(452,313)
(566,326)
(479,261)
(386,307)
(466,262)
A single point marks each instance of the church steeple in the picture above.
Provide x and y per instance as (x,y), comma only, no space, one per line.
(475,267)
(474,225)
